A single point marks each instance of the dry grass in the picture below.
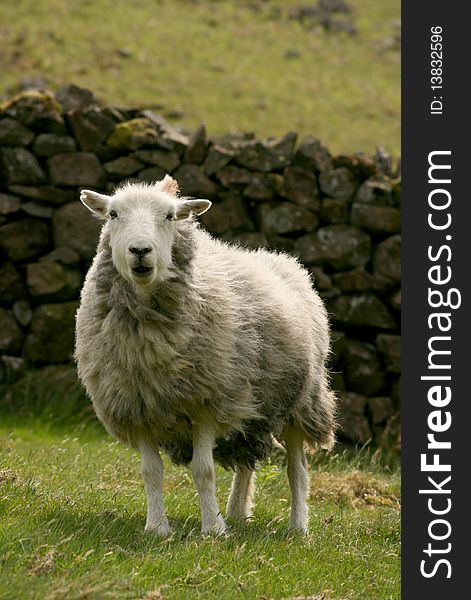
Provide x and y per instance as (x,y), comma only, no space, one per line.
(357,489)
(7,475)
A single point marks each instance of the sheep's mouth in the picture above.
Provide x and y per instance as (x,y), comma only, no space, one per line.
(142,271)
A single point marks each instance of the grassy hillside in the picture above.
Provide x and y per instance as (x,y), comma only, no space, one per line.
(72,509)
(233,65)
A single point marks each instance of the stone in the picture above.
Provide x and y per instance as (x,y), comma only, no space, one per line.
(196,149)
(312,155)
(193,182)
(35,109)
(381,408)
(395,393)
(12,286)
(11,368)
(384,161)
(134,134)
(360,310)
(76,169)
(353,422)
(338,183)
(280,243)
(73,98)
(267,156)
(122,167)
(337,342)
(337,382)
(51,281)
(9,204)
(395,300)
(22,312)
(170,137)
(18,165)
(13,133)
(151,174)
(51,335)
(216,159)
(262,186)
(362,368)
(376,191)
(10,334)
(341,247)
(74,227)
(36,209)
(249,239)
(91,127)
(330,293)
(106,154)
(361,165)
(63,255)
(24,240)
(300,186)
(360,280)
(389,347)
(44,193)
(48,144)
(377,219)
(397,192)
(353,403)
(168,161)
(387,259)
(227,215)
(333,211)
(233,141)
(117,114)
(234,176)
(285,217)
(355,428)
(322,281)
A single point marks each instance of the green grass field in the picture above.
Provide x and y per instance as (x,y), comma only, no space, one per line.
(235,65)
(72,510)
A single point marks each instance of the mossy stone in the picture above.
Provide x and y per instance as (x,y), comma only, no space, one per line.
(133,134)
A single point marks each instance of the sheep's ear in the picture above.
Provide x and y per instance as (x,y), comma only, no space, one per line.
(187,207)
(169,185)
(97,203)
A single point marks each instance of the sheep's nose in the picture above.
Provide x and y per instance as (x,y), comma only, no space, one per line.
(140,251)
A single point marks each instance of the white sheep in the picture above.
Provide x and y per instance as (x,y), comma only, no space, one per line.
(201,349)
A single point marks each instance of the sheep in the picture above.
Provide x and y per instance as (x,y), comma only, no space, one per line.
(201,349)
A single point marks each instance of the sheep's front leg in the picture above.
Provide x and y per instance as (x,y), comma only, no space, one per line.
(239,505)
(298,481)
(152,470)
(205,480)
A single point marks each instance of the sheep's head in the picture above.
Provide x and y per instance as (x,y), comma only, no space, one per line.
(142,224)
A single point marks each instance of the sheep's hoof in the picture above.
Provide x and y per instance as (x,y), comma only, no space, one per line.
(235,515)
(217,528)
(162,530)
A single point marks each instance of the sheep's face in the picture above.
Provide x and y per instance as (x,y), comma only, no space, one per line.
(141,223)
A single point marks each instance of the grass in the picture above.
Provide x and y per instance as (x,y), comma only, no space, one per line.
(72,509)
(235,65)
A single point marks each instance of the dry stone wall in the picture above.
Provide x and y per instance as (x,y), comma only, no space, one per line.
(339,214)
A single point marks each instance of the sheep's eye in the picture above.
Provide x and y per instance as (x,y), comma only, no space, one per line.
(169,217)
(113,214)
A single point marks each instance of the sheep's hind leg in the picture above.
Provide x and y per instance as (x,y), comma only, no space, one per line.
(205,480)
(298,480)
(239,505)
(153,473)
